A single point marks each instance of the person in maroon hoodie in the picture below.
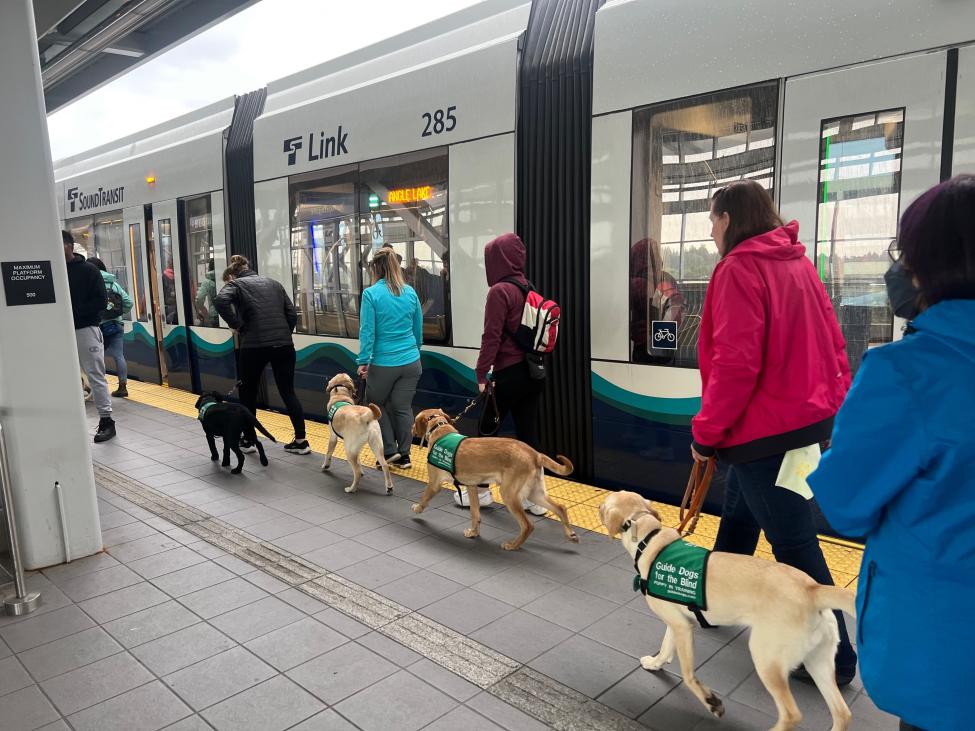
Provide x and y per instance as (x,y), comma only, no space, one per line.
(774,373)
(516,392)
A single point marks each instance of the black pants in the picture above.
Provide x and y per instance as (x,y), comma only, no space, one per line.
(754,503)
(250,366)
(519,394)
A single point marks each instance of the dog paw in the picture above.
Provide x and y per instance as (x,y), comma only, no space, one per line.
(389,490)
(418,508)
(653,662)
(573,537)
(236,470)
(351,488)
(264,461)
(715,705)
(510,546)
(471,533)
(326,466)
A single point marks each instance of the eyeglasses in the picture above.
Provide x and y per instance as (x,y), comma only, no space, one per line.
(894,251)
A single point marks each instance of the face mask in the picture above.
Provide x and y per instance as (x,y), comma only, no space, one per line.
(901,292)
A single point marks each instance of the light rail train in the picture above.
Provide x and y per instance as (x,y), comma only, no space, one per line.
(596,131)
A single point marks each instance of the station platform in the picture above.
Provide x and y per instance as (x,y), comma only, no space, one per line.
(274,600)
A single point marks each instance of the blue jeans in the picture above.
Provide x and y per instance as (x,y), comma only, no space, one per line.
(754,503)
(114,349)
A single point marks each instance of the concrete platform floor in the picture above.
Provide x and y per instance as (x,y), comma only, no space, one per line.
(273,600)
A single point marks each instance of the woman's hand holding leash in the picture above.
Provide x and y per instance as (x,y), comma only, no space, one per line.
(363,371)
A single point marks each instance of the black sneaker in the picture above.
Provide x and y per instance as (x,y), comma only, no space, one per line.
(106,430)
(403,463)
(246,447)
(121,391)
(297,447)
(844,676)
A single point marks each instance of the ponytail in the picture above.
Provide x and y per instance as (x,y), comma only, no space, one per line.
(385,265)
(238,265)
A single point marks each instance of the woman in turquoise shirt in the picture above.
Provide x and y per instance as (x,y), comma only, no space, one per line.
(390,335)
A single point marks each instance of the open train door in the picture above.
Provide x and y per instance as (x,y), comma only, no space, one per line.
(141,328)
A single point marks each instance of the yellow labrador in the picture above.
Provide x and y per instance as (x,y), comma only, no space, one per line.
(790,615)
(358,426)
(517,469)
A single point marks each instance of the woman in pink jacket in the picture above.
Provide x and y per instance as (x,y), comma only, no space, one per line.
(774,373)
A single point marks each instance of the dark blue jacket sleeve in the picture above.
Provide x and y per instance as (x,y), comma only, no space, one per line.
(877,451)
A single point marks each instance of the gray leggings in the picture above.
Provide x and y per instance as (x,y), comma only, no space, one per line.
(392,389)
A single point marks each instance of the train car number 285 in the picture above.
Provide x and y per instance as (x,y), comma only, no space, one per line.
(438,122)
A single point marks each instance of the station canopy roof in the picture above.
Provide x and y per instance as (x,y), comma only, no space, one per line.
(84,44)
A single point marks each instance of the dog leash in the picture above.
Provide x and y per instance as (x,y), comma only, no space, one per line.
(698,485)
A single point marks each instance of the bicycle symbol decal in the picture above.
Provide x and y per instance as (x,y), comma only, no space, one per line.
(663,334)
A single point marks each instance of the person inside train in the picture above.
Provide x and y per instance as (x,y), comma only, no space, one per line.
(119,303)
(774,373)
(264,317)
(390,337)
(88,301)
(515,391)
(654,295)
(206,293)
(899,473)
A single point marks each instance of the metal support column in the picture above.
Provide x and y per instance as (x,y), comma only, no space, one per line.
(23,601)
(48,441)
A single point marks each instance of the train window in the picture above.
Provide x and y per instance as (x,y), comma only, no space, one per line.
(103,236)
(682,152)
(139,310)
(324,255)
(198,225)
(403,204)
(856,220)
(170,312)
(338,220)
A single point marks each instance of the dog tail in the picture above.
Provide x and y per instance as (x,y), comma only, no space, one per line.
(376,413)
(835,597)
(260,427)
(563,467)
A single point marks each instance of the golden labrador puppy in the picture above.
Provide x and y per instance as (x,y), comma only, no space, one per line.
(357,426)
(790,615)
(515,467)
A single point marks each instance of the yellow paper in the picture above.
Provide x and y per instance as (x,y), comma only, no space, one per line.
(797,465)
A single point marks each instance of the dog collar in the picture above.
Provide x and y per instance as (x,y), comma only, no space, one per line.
(204,409)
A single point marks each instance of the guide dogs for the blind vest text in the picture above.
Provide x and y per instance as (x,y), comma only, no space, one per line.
(229,421)
(790,615)
(517,469)
(357,426)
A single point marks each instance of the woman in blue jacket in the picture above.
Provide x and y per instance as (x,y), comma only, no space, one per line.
(900,473)
(390,336)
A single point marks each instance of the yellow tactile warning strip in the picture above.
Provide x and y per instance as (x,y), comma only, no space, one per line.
(582,501)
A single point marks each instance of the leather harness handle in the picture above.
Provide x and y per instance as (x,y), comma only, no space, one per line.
(698,485)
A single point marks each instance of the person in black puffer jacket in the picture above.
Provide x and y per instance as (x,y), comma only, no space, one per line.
(263,315)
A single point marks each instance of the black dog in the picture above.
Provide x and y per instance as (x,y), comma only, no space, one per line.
(229,421)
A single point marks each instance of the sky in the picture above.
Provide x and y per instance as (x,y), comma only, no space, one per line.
(269,40)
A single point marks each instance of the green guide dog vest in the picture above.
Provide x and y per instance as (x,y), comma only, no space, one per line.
(334,410)
(443,452)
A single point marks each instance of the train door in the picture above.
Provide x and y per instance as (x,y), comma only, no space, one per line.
(859,144)
(173,333)
(141,351)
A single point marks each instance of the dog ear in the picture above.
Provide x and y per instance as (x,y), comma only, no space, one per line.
(652,511)
(611,518)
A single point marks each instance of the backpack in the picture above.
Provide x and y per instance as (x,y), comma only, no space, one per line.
(539,328)
(113,309)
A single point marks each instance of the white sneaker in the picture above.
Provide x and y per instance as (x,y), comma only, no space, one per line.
(484,497)
(533,508)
